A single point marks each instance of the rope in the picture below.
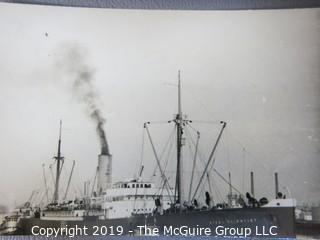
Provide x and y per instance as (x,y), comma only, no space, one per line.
(142,149)
(163,151)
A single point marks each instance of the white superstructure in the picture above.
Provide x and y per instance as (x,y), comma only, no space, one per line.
(122,200)
(134,197)
(289,202)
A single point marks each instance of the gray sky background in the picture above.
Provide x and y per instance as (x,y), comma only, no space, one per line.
(256,70)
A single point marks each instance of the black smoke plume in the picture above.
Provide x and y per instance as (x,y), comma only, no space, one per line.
(81,75)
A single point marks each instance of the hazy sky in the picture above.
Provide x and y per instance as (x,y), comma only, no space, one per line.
(256,70)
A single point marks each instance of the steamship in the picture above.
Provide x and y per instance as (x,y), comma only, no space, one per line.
(125,205)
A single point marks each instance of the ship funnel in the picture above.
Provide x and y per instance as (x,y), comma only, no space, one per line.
(104,177)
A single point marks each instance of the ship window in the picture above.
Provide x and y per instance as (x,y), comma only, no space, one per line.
(141,185)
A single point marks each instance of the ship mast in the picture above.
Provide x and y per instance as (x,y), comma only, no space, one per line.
(178,121)
(59,159)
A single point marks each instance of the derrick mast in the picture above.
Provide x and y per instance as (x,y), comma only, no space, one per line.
(180,122)
(59,158)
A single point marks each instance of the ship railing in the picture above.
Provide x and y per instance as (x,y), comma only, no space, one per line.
(95,213)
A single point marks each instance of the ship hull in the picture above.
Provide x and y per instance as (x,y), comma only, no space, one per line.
(262,222)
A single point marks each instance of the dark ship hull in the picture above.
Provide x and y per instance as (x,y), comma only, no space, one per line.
(262,222)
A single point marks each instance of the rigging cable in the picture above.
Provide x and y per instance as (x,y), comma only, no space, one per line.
(267,169)
(158,161)
(170,152)
(163,151)
(142,148)
(206,165)
(200,157)
(217,191)
(194,164)
(225,180)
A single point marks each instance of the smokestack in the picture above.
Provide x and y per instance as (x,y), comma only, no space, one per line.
(252,184)
(104,177)
(276,184)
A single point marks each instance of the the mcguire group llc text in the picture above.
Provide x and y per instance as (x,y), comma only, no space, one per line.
(145,230)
